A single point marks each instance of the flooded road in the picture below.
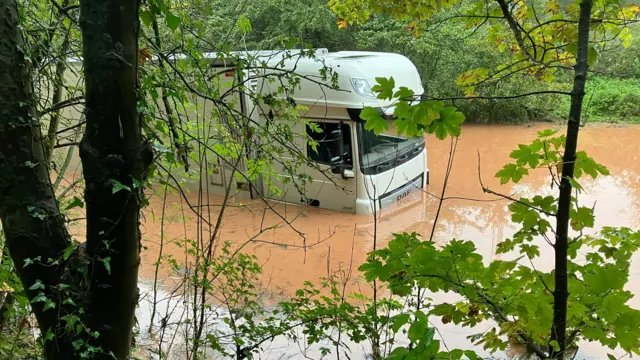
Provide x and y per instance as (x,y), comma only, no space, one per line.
(313,243)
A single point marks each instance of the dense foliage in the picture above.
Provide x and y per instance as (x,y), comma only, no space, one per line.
(442,52)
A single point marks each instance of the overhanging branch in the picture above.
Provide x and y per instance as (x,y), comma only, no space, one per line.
(78,100)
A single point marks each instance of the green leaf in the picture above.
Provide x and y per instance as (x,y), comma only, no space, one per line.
(399,321)
(577,310)
(404,94)
(471,355)
(603,279)
(613,306)
(172,20)
(30,164)
(107,264)
(244,24)
(427,342)
(384,88)
(41,297)
(420,114)
(448,123)
(417,330)
(532,251)
(582,218)
(76,202)
(594,334)
(456,354)
(375,122)
(69,250)
(589,166)
(626,338)
(555,345)
(400,353)
(546,203)
(574,184)
(522,214)
(403,111)
(69,301)
(49,336)
(136,183)
(48,305)
(592,55)
(511,172)
(38,285)
(525,155)
(611,357)
(117,186)
(71,321)
(146,17)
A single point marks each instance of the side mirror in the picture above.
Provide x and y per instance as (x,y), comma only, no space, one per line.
(348,174)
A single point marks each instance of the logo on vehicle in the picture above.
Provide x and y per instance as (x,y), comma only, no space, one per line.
(403,195)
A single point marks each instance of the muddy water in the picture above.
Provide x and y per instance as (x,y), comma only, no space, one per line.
(297,244)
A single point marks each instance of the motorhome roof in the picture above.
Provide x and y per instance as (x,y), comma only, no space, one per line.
(353,68)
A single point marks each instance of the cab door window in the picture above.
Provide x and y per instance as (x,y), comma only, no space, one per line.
(333,144)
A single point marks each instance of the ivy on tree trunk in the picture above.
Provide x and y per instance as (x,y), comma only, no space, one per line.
(33,226)
(113,158)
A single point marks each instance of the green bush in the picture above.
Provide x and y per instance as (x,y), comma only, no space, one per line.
(611,100)
(532,108)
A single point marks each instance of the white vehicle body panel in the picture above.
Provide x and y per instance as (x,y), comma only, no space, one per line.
(365,191)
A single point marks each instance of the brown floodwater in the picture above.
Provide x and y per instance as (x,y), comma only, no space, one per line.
(313,243)
(315,240)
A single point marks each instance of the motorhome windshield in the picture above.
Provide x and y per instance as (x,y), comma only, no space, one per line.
(379,153)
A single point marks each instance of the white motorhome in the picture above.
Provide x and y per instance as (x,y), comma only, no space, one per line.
(352,169)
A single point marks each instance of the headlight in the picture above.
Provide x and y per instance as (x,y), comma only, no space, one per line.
(362,87)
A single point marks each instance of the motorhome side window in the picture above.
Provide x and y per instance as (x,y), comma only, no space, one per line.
(333,146)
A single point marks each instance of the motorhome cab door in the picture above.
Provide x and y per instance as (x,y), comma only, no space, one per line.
(332,183)
(331,165)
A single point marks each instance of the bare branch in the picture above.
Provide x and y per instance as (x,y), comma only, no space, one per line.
(503,97)
(71,127)
(517,31)
(489,191)
(65,10)
(78,100)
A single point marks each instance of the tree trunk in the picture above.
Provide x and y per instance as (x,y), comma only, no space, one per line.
(112,153)
(33,226)
(561,292)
